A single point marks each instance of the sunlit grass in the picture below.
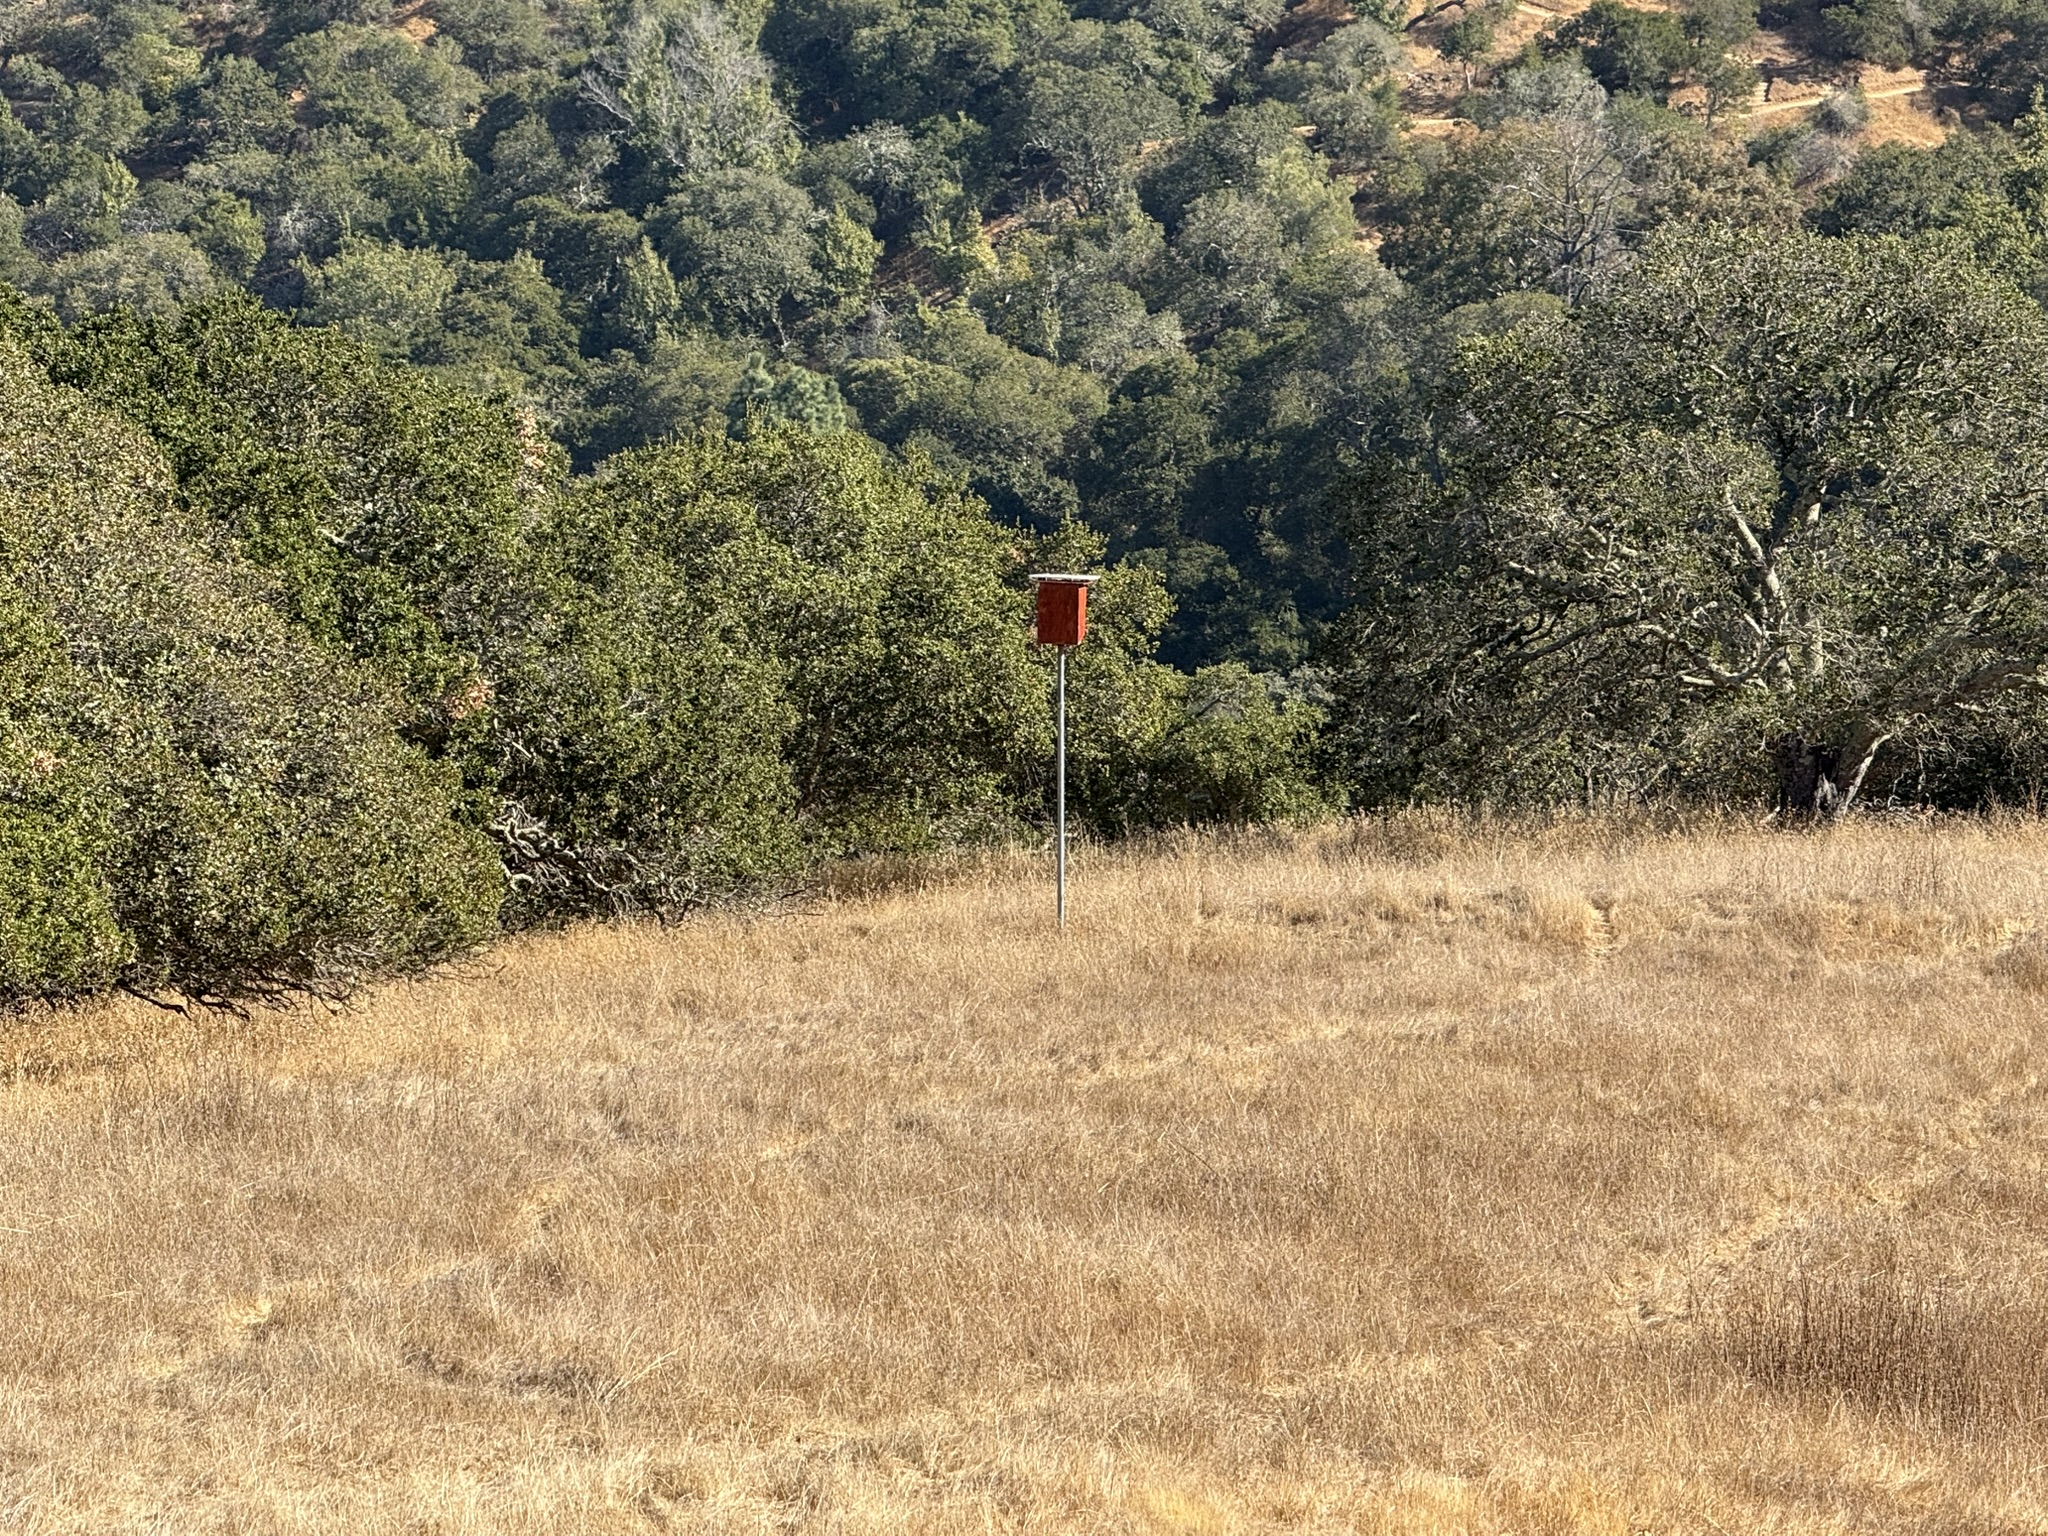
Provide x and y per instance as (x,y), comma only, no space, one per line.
(1408,1176)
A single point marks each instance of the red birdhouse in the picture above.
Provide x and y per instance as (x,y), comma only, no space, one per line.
(1062,608)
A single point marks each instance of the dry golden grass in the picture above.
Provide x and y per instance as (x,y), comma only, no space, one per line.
(1405,1177)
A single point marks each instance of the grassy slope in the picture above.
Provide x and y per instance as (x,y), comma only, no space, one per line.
(1401,1178)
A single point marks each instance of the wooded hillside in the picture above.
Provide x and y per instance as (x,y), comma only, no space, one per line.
(1107,260)
(479,462)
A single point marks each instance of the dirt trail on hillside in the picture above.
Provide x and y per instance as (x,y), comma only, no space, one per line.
(1431,84)
(1764,108)
(1893,125)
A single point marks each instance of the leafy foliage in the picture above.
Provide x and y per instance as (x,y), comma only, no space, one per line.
(1769,508)
(196,794)
(871,614)
(1150,746)
(1988,194)
(600,214)
(1562,184)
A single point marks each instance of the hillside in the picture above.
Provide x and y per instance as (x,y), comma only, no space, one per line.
(1168,271)
(1905,109)
(1408,1176)
(633,428)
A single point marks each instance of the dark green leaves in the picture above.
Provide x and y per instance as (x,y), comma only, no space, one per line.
(1766,490)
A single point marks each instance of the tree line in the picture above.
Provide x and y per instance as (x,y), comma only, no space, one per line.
(319,669)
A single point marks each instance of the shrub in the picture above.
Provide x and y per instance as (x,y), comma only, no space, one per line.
(1844,111)
(380,502)
(200,795)
(1237,752)
(879,599)
(59,936)
(639,734)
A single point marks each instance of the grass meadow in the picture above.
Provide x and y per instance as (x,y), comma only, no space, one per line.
(1404,1176)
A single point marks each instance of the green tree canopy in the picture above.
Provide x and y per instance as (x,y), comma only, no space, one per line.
(1767,508)
(193,793)
(883,604)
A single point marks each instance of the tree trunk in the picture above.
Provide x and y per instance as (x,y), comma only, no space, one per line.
(1822,781)
(1806,776)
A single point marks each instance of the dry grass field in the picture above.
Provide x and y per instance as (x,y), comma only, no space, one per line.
(1406,1176)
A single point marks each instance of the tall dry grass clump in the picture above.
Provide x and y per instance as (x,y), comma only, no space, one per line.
(1847,1310)
(1411,1175)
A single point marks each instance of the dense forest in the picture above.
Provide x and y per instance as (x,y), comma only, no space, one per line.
(473,463)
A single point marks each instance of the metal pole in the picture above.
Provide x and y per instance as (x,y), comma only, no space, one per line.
(1060,856)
